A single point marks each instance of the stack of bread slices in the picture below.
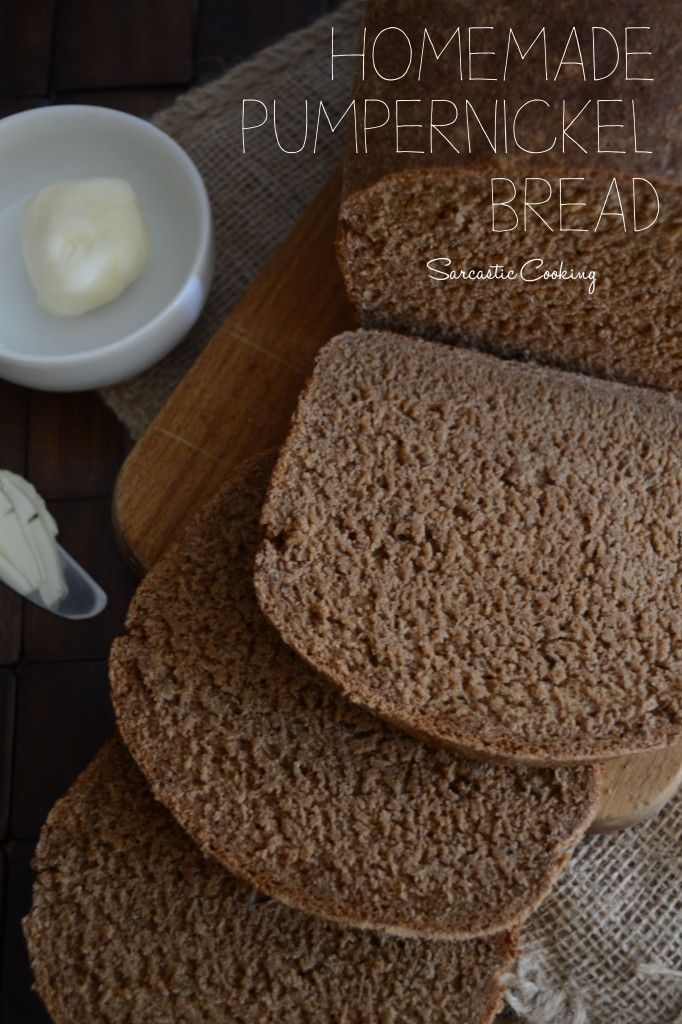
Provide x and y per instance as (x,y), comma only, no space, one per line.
(365,699)
(371,688)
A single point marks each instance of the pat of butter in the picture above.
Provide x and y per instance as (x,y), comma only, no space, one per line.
(29,558)
(84,242)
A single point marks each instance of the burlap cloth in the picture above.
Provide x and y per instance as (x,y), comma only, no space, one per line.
(605,947)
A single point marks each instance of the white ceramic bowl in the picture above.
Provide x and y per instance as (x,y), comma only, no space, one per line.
(134,331)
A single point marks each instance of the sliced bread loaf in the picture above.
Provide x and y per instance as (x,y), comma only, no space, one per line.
(300,792)
(484,552)
(130,923)
(549,277)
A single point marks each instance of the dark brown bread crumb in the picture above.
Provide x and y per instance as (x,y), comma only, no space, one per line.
(306,796)
(402,210)
(483,552)
(131,924)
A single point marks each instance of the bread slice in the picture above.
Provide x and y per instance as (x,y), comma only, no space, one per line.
(483,552)
(307,797)
(412,198)
(130,923)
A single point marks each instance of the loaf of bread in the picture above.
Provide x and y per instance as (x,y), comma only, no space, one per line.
(130,923)
(402,210)
(487,553)
(299,792)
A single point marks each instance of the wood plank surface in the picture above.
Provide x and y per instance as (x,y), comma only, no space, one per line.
(637,788)
(75,446)
(7,715)
(228,33)
(140,102)
(26,46)
(110,44)
(63,717)
(237,401)
(19,1004)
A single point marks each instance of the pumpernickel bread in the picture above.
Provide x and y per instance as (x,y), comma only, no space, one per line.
(130,923)
(298,791)
(433,199)
(487,553)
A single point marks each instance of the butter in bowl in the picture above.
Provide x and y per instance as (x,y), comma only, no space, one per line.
(106,246)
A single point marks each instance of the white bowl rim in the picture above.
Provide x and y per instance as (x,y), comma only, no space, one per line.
(167,313)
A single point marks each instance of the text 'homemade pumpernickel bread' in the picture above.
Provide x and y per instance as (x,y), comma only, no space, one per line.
(485,552)
(432,201)
(300,792)
(131,923)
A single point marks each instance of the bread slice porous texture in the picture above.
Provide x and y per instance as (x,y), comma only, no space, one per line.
(300,792)
(484,552)
(131,923)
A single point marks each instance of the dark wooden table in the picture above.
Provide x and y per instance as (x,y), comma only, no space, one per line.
(55,713)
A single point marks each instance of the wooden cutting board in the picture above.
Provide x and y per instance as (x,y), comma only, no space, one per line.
(237,400)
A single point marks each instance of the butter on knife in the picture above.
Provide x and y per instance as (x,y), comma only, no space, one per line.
(29,558)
